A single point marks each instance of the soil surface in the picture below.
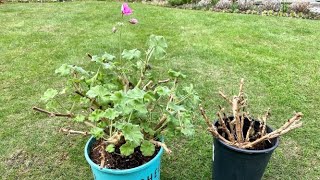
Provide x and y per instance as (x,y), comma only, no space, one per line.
(260,146)
(117,161)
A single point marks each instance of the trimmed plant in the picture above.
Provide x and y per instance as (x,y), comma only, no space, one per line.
(248,143)
(121,99)
(231,129)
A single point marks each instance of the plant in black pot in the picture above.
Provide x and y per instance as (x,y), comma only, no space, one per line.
(243,145)
(125,106)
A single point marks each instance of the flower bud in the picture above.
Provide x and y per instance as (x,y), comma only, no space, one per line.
(114,29)
(133,21)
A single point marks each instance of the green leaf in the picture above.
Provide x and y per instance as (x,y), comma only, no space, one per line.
(132,133)
(173,122)
(110,148)
(97,132)
(176,107)
(79,118)
(147,148)
(63,70)
(108,56)
(111,113)
(187,127)
(127,149)
(97,59)
(49,94)
(119,125)
(136,94)
(146,128)
(176,74)
(140,64)
(140,107)
(97,91)
(96,115)
(80,70)
(131,54)
(84,101)
(163,90)
(108,65)
(149,96)
(52,105)
(117,97)
(157,45)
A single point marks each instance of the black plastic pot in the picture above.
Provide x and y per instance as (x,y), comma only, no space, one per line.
(232,163)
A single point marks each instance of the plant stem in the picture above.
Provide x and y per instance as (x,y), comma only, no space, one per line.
(52,113)
(120,48)
(157,143)
(130,117)
(143,70)
(60,105)
(161,122)
(70,131)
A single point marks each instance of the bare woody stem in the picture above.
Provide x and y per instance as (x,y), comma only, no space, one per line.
(52,114)
(292,123)
(103,157)
(161,122)
(70,131)
(203,113)
(160,144)
(225,97)
(92,100)
(249,131)
(235,110)
(264,120)
(215,133)
(164,81)
(241,88)
(211,128)
(148,84)
(224,127)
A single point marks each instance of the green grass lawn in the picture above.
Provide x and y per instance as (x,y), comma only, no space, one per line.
(278,57)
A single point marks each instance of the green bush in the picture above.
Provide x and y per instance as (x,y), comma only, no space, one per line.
(178,2)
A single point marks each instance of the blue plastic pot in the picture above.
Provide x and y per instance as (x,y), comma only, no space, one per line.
(148,171)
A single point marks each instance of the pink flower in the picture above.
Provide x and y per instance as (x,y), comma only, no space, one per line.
(125,9)
(133,21)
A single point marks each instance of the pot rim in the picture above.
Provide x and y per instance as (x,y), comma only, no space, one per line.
(247,151)
(118,171)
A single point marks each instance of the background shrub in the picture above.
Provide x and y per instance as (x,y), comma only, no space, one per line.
(273,5)
(204,3)
(178,2)
(223,4)
(298,7)
(244,5)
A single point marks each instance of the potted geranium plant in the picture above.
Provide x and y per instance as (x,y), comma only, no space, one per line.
(126,108)
(242,144)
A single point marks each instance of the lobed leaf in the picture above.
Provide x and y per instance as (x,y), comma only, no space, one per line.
(127,149)
(131,54)
(147,148)
(132,133)
(110,148)
(49,94)
(97,132)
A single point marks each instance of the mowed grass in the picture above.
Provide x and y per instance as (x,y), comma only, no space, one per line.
(278,57)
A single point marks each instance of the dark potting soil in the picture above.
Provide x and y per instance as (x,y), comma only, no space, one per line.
(117,161)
